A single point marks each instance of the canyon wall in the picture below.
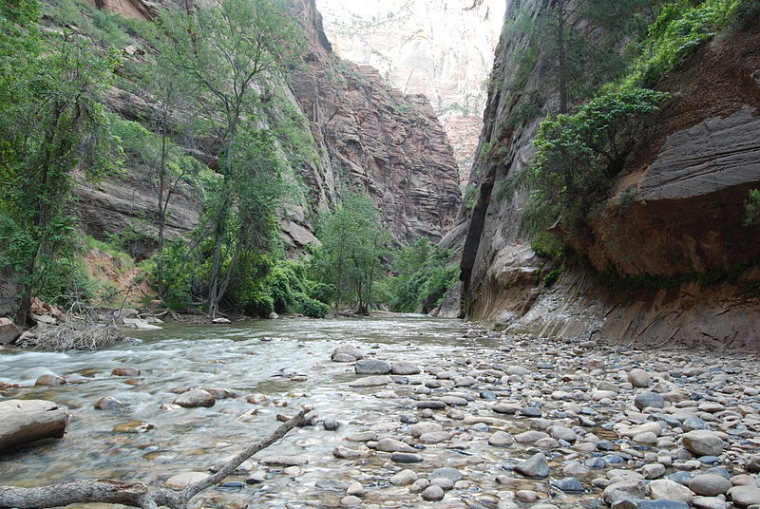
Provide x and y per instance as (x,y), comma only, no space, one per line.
(368,137)
(668,258)
(442,49)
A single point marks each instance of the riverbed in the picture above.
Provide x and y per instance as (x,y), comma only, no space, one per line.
(480,405)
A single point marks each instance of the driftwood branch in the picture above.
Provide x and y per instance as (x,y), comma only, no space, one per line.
(134,494)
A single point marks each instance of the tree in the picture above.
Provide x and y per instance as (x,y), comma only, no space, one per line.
(232,55)
(52,121)
(577,156)
(353,245)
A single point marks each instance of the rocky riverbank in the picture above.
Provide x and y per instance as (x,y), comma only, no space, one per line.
(490,422)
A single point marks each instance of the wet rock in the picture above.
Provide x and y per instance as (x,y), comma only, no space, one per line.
(530,437)
(26,421)
(405,368)
(649,400)
(182,481)
(433,493)
(638,378)
(434,437)
(501,439)
(356,489)
(505,408)
(362,436)
(133,427)
(125,371)
(331,485)
(9,332)
(256,477)
(110,403)
(710,503)
(403,478)
(372,367)
(330,424)
(653,470)
(744,496)
(703,443)
(222,393)
(281,460)
(195,398)
(371,381)
(425,427)
(536,466)
(50,380)
(446,472)
(527,496)
(632,489)
(694,423)
(665,489)
(346,353)
(392,445)
(400,457)
(348,453)
(650,504)
(709,485)
(569,485)
(431,404)
(350,501)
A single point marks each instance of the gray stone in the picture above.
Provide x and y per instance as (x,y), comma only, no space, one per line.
(709,485)
(648,399)
(346,353)
(665,489)
(393,445)
(330,424)
(632,489)
(405,368)
(638,378)
(744,496)
(433,493)
(371,381)
(703,443)
(536,466)
(282,460)
(182,481)
(403,478)
(401,457)
(372,367)
(501,439)
(447,472)
(569,485)
(195,398)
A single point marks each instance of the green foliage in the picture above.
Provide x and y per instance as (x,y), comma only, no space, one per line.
(100,24)
(350,258)
(576,156)
(423,277)
(679,30)
(752,208)
(470,196)
(51,122)
(745,15)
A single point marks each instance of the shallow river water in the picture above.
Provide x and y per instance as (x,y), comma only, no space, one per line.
(481,406)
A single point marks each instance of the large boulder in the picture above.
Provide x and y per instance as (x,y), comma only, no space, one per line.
(25,421)
(346,353)
(9,332)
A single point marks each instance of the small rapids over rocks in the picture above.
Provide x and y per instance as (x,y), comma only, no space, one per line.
(432,415)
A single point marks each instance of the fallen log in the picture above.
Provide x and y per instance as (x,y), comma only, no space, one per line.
(133,494)
(25,421)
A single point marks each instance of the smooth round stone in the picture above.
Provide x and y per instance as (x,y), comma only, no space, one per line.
(563,433)
(681,477)
(650,504)
(569,485)
(133,427)
(638,378)
(443,482)
(595,463)
(405,368)
(425,427)
(631,489)
(605,445)
(182,481)
(431,404)
(434,437)
(401,457)
(487,395)
(330,424)
(530,411)
(649,400)
(530,437)
(110,403)
(409,419)
(665,489)
(446,472)
(501,439)
(527,496)
(744,496)
(653,470)
(694,423)
(404,477)
(433,493)
(703,443)
(372,367)
(709,485)
(125,371)
(419,485)
(350,501)
(346,353)
(710,503)
(505,408)
(331,485)
(49,381)
(536,466)
(195,398)
(393,445)
(356,489)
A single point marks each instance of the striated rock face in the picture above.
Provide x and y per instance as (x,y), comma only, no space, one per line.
(368,136)
(675,219)
(443,50)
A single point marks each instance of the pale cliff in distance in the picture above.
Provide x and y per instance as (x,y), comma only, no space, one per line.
(442,49)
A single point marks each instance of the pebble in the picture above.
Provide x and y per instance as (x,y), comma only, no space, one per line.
(703,443)
(649,400)
(195,398)
(372,367)
(709,485)
(536,466)
(638,378)
(403,478)
(433,493)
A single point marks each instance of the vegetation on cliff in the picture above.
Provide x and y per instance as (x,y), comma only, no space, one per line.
(580,152)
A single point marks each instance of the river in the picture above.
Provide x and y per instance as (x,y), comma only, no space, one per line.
(514,422)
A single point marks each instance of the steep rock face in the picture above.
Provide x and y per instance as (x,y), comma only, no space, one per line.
(367,136)
(675,214)
(377,138)
(443,50)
